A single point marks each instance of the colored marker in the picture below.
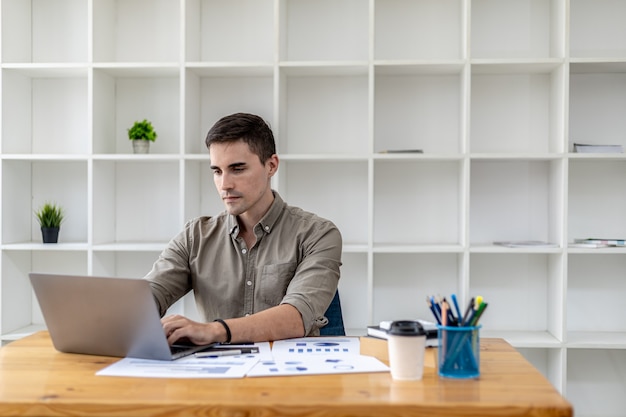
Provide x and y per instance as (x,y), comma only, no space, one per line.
(478,313)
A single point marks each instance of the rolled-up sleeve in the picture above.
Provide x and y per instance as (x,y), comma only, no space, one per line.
(316,278)
(170,274)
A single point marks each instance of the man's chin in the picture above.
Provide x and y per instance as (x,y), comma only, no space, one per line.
(233,210)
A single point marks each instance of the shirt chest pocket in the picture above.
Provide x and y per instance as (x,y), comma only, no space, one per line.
(274,282)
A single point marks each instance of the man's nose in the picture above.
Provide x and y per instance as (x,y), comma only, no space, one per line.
(226,182)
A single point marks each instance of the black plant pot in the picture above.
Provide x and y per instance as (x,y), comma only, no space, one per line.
(50,234)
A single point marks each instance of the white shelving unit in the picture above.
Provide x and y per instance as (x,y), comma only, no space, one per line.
(494,91)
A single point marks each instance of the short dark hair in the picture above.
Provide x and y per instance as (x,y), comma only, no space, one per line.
(247,127)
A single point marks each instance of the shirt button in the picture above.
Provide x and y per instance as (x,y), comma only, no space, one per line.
(249,283)
(267,228)
(244,251)
(247,314)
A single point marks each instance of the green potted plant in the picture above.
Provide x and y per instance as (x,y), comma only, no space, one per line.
(141,134)
(50,216)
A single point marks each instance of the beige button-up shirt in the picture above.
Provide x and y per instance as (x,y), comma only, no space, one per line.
(295,260)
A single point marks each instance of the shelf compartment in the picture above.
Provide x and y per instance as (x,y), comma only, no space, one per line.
(44,112)
(117,37)
(123,264)
(593,277)
(122,96)
(19,307)
(415,68)
(403,281)
(516,200)
(596,206)
(524,292)
(416,248)
(29,184)
(323,30)
(541,339)
(126,209)
(433,104)
(516,108)
(247,24)
(597,28)
(44,31)
(595,381)
(435,28)
(597,99)
(210,94)
(517,28)
(345,202)
(340,106)
(596,340)
(428,193)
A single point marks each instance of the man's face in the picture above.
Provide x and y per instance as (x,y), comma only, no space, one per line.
(240,178)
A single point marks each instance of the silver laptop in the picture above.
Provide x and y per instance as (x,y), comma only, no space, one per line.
(104,316)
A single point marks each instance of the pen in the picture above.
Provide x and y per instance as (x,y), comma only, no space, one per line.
(225,352)
(472,309)
(468,311)
(457,308)
(433,309)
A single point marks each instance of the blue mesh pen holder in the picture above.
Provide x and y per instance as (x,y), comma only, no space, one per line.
(459,351)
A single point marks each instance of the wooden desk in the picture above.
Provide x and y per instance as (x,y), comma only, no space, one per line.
(37,380)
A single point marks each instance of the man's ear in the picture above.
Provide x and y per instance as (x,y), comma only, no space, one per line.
(272,165)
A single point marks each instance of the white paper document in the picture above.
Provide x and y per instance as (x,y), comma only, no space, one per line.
(317,355)
(190,366)
(316,365)
(316,346)
(301,356)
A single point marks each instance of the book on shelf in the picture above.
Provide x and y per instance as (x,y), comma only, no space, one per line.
(600,241)
(526,244)
(402,151)
(587,148)
(381,331)
(588,245)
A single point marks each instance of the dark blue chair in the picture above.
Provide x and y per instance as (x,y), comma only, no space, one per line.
(335,325)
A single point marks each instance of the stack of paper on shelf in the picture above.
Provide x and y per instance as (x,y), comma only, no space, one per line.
(600,242)
(587,148)
(526,244)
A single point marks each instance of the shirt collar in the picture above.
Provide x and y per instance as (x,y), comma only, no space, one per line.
(267,221)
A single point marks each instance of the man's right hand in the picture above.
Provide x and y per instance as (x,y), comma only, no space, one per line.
(177,327)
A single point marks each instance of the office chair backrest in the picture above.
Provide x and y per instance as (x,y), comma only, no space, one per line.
(335,325)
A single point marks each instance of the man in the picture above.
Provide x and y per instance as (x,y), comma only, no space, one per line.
(261,270)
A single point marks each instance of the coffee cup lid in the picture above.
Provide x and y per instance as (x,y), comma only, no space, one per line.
(407,328)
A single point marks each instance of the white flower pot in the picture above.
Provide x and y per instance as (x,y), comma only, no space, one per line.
(141,146)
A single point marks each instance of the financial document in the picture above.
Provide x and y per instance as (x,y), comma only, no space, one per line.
(301,356)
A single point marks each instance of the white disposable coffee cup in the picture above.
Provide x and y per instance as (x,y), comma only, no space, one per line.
(406,341)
